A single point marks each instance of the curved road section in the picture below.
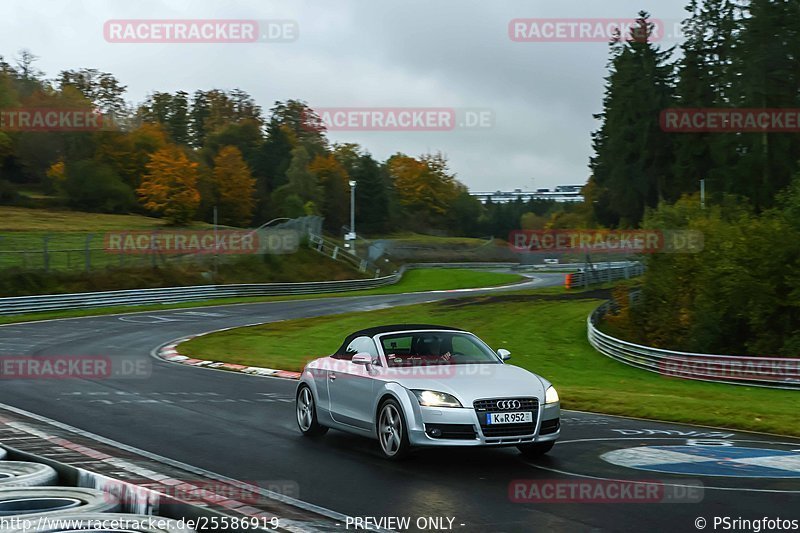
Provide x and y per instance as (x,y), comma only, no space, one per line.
(607,472)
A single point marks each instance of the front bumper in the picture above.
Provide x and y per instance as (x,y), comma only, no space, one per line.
(463,424)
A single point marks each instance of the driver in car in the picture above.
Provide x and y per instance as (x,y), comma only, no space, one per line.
(435,347)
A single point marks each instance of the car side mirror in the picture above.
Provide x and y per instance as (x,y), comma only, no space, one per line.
(362,359)
(504,354)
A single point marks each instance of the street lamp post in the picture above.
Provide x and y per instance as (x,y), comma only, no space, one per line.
(351,237)
(703,193)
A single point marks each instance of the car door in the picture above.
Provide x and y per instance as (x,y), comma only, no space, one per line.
(350,386)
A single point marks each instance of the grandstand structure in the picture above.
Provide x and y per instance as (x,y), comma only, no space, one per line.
(561,193)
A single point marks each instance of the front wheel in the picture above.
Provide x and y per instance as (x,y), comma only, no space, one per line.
(535,450)
(392,432)
(307,414)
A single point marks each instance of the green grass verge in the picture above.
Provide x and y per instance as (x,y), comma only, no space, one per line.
(413,281)
(545,336)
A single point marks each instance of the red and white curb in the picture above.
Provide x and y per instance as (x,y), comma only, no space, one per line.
(171,354)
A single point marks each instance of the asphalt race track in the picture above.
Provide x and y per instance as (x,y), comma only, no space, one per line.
(244,427)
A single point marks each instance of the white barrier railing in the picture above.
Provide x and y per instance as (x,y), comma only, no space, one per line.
(772,372)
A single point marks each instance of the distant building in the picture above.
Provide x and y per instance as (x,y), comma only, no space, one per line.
(561,193)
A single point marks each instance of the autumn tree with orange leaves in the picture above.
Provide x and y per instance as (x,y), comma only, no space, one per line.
(425,186)
(170,185)
(234,186)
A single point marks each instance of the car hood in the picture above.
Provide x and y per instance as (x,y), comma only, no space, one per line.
(471,382)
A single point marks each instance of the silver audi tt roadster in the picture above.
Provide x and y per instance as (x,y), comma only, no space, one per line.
(421,385)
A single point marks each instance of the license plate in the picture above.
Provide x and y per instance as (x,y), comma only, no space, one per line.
(509,418)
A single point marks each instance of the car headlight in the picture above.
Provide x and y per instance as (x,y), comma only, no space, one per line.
(551,396)
(430,398)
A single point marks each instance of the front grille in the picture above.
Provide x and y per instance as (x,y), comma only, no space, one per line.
(451,431)
(549,426)
(527,404)
(506,430)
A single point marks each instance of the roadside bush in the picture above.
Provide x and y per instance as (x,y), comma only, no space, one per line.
(8,193)
(740,295)
(93,186)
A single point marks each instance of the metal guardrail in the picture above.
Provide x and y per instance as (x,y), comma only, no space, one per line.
(90,300)
(584,278)
(772,372)
(171,295)
(337,253)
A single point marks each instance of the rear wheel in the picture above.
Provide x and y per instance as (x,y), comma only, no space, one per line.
(535,450)
(307,414)
(392,432)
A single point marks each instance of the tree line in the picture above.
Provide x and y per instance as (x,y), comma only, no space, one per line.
(741,294)
(735,55)
(180,155)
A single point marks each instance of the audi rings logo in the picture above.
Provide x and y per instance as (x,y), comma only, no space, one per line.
(509,404)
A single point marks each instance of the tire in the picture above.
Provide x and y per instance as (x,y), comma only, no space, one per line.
(533,451)
(392,431)
(306,413)
(55,501)
(138,523)
(22,474)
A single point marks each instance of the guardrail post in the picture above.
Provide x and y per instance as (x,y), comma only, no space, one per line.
(88,252)
(46,258)
(335,252)
(363,266)
(153,248)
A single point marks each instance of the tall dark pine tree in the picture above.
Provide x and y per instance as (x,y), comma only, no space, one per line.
(705,80)
(372,195)
(197,118)
(157,108)
(178,123)
(271,162)
(768,62)
(633,156)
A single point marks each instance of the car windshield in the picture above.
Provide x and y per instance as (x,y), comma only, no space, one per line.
(423,348)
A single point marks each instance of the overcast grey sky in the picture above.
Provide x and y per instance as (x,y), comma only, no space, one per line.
(370,53)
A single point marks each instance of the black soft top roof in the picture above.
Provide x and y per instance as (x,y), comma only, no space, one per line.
(394,328)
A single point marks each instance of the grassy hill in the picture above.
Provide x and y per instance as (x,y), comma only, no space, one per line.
(39,221)
(70,237)
(25,232)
